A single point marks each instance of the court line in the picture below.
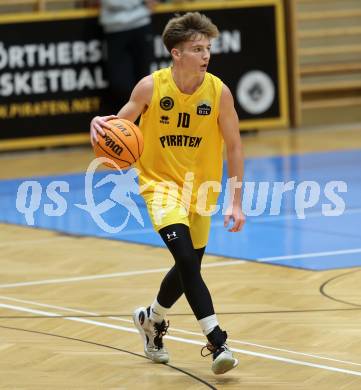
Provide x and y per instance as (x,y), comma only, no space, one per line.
(172,329)
(113,275)
(159,270)
(266,347)
(124,351)
(187,341)
(311,254)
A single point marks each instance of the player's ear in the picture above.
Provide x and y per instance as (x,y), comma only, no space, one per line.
(175,52)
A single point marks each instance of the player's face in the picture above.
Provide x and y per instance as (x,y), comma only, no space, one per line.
(193,56)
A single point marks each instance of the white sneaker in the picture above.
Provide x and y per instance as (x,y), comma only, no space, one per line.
(223,360)
(152,335)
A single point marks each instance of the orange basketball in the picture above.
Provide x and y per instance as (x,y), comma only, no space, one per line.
(123,143)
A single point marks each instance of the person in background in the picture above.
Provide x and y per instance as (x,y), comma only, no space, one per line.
(128,36)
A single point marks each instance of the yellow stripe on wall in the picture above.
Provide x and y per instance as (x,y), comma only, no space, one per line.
(44,141)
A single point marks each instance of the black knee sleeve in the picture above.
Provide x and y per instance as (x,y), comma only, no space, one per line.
(187,266)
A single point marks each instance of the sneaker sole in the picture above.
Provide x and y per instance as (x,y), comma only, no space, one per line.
(224,365)
(140,329)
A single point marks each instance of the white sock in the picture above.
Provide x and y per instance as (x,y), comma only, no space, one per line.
(208,324)
(157,312)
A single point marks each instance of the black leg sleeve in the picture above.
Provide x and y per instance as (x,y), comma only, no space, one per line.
(185,276)
(171,288)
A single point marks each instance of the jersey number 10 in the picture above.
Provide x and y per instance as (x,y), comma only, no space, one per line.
(183,119)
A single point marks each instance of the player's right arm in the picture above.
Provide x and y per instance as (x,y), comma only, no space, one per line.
(138,103)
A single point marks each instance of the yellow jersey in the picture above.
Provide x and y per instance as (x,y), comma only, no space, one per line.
(183,144)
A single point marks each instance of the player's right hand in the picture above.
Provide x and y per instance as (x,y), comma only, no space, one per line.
(96,126)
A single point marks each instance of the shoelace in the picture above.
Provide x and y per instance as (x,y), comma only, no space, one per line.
(160,331)
(210,348)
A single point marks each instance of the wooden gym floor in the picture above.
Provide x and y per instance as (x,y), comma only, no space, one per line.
(291,328)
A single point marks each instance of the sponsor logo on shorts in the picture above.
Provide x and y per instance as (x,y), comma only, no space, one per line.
(172,236)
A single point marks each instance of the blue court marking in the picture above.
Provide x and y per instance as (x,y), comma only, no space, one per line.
(317,242)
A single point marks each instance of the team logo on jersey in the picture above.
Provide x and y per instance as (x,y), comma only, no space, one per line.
(204,108)
(166,103)
(164,119)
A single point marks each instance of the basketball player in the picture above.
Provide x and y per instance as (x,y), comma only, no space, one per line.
(186,113)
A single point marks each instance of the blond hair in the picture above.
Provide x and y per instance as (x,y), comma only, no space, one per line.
(183,28)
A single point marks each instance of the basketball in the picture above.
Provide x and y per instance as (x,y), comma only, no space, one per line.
(123,143)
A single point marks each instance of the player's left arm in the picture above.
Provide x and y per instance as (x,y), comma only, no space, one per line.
(229,125)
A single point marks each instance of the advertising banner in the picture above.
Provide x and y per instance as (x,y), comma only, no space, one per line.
(52,78)
(249,56)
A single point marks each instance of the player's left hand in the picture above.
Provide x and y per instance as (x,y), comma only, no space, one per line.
(235,214)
